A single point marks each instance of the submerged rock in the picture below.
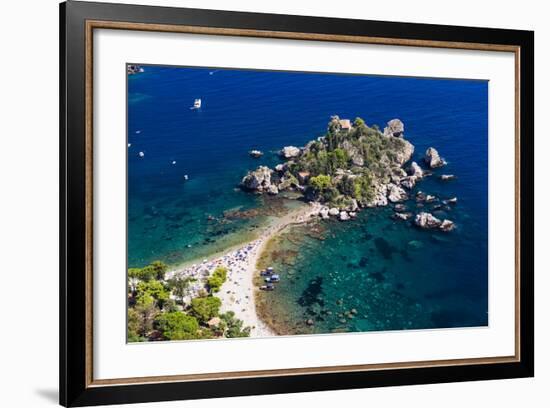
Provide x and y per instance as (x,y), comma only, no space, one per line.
(453,200)
(433,159)
(402,216)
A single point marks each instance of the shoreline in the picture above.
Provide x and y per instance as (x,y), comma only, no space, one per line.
(238,293)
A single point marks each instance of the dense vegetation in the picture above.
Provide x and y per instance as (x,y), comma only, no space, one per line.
(345,164)
(157,309)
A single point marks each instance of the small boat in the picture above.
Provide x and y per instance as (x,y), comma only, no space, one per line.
(173,162)
(267,287)
(275,278)
(256,153)
(129,144)
(141,154)
(197,104)
(185,177)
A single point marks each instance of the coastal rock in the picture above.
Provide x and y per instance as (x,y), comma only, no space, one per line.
(446,177)
(395,128)
(324,213)
(432,158)
(289,152)
(447,226)
(415,170)
(408,182)
(258,180)
(344,216)
(427,220)
(280,168)
(272,189)
(354,206)
(352,214)
(355,155)
(380,198)
(430,198)
(333,211)
(396,193)
(404,154)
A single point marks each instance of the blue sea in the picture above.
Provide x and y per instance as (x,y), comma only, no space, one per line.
(391,275)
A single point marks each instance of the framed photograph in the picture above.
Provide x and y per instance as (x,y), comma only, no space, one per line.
(256,204)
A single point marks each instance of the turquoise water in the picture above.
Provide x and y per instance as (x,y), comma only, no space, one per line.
(394,275)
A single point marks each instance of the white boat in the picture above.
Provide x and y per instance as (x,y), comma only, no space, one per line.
(141,154)
(186,177)
(197,104)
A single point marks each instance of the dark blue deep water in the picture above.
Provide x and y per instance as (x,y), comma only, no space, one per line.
(394,275)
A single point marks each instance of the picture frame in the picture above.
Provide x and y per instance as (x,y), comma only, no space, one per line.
(79,20)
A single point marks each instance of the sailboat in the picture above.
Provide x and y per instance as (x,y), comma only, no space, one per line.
(197,104)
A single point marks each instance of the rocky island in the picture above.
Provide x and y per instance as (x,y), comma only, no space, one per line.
(352,166)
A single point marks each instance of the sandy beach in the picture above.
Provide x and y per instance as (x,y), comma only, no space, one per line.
(238,292)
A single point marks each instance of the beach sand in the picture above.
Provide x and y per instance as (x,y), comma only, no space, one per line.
(238,292)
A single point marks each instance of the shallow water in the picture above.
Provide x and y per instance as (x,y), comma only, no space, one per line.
(394,275)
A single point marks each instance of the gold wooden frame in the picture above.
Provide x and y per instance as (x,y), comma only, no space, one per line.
(98,24)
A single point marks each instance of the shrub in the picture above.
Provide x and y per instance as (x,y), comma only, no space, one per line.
(177,326)
(205,308)
(217,279)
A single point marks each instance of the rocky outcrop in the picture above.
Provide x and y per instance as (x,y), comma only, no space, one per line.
(428,221)
(447,226)
(415,170)
(354,153)
(408,182)
(432,158)
(404,153)
(395,128)
(289,152)
(380,198)
(396,193)
(333,211)
(258,180)
(344,216)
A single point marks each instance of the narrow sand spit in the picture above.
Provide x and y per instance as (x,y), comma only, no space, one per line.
(238,292)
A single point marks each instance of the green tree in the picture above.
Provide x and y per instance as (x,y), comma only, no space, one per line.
(234,326)
(134,325)
(177,326)
(320,182)
(205,308)
(159,269)
(155,289)
(147,310)
(180,286)
(217,279)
